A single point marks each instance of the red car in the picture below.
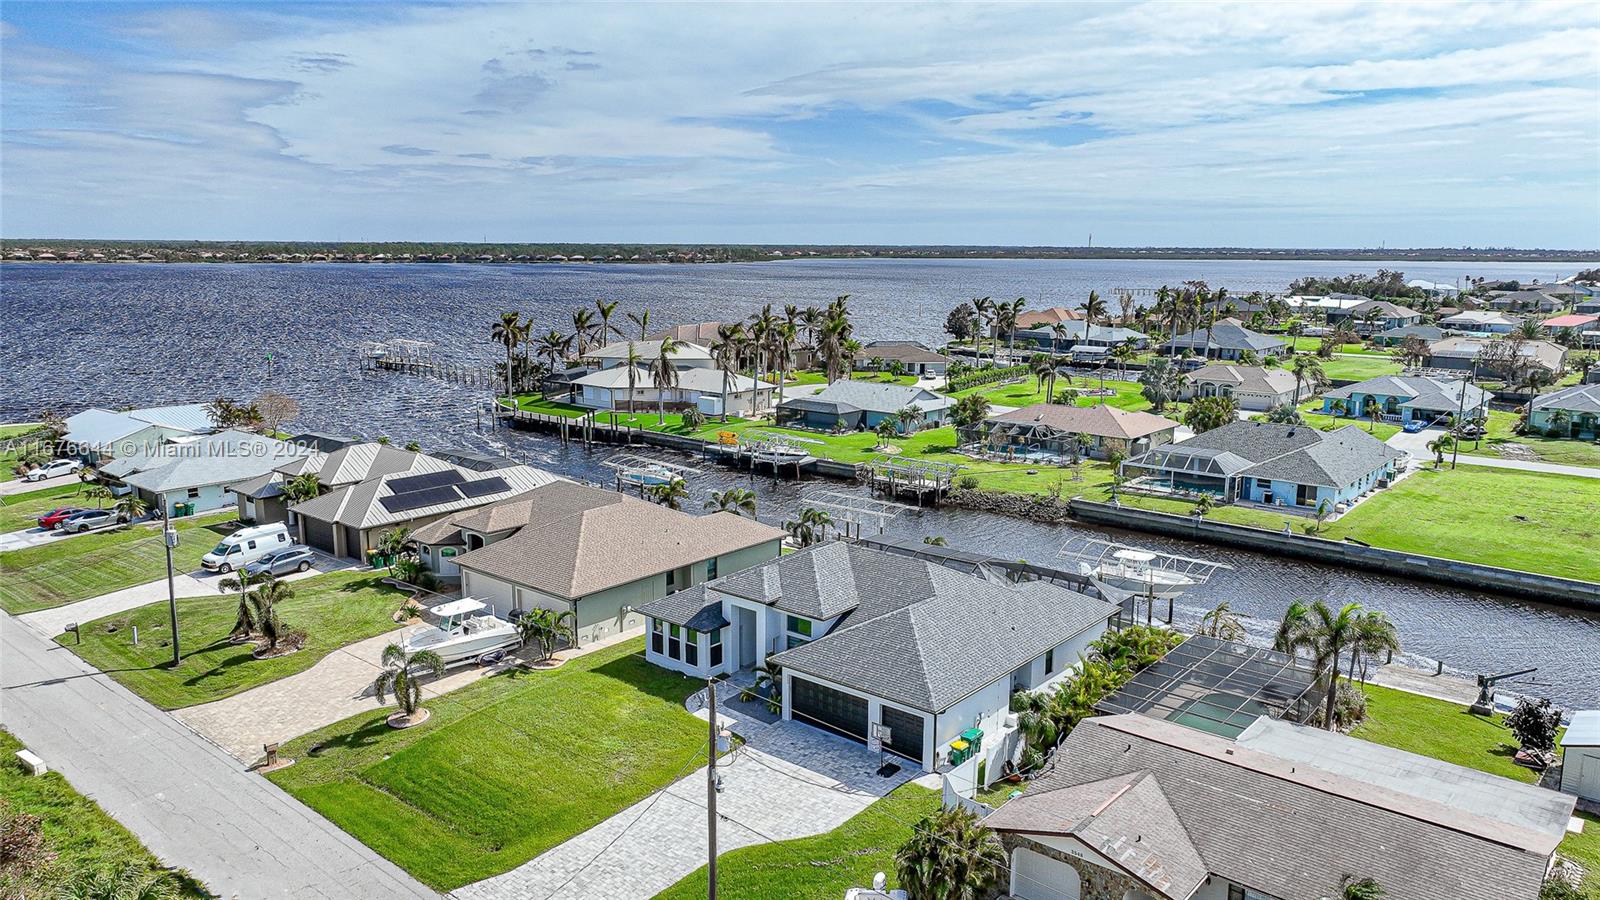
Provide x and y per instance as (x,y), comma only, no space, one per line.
(53,518)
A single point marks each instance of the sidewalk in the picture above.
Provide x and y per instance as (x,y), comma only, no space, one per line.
(190,803)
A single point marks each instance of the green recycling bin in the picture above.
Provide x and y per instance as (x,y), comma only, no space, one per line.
(188,508)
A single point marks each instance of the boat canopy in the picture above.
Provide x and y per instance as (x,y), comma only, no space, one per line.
(458,607)
(1143,556)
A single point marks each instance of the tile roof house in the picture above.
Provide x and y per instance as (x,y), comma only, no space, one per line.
(201,470)
(869,638)
(596,553)
(854,405)
(1295,467)
(1227,339)
(1252,387)
(1409,398)
(1055,429)
(1044,318)
(913,358)
(99,433)
(1570,412)
(1141,807)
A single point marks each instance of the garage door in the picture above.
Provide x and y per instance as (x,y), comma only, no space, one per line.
(905,732)
(1039,877)
(319,534)
(828,709)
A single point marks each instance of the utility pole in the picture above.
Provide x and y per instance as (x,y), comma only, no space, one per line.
(711,790)
(169,538)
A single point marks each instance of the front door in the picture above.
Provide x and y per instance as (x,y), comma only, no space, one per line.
(747,637)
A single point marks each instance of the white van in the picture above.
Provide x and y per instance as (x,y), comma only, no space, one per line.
(244,546)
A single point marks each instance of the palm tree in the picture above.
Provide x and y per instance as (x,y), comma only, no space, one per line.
(244,619)
(1005,322)
(810,527)
(129,507)
(553,348)
(643,321)
(301,488)
(1374,634)
(1353,888)
(1439,446)
(393,542)
(1043,369)
(1307,370)
(951,856)
(1294,629)
(725,350)
(543,628)
(762,325)
(606,310)
(783,338)
(264,602)
(400,674)
(1124,353)
(666,376)
(985,309)
(632,361)
(670,494)
(582,328)
(507,332)
(735,500)
(99,494)
(1326,634)
(1222,623)
(835,334)
(1093,309)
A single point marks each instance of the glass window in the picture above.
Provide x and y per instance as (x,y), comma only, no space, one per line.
(193,493)
(716,648)
(658,631)
(711,569)
(674,642)
(691,647)
(800,626)
(1050,661)
(672,579)
(252,545)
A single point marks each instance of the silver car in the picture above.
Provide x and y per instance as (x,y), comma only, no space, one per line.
(282,562)
(90,519)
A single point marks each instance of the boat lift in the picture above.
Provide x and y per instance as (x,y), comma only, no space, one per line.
(638,470)
(1122,573)
(852,509)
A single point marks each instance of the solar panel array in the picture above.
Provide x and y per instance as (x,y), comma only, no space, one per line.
(426,480)
(410,500)
(484,487)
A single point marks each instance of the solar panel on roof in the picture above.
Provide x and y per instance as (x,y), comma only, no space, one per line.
(484,487)
(418,499)
(425,480)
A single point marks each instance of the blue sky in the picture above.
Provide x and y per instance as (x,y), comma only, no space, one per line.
(1194,124)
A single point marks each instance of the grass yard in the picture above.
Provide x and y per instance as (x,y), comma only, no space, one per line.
(83,838)
(1446,731)
(334,610)
(1304,344)
(19,511)
(1502,431)
(1359,368)
(505,768)
(821,867)
(8,459)
(1311,411)
(84,566)
(1025,393)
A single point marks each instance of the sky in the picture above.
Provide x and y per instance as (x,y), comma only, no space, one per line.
(1144,124)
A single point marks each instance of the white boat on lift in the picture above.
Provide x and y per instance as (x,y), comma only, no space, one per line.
(463,632)
(1121,571)
(648,476)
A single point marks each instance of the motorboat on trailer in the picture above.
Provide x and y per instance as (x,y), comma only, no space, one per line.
(1121,572)
(463,632)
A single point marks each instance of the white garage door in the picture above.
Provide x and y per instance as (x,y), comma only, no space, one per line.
(1035,876)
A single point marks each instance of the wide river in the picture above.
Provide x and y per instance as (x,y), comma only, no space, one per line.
(118,335)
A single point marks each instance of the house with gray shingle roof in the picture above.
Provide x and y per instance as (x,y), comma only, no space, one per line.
(201,470)
(1142,807)
(868,639)
(1569,412)
(1294,467)
(1252,387)
(1409,398)
(1227,339)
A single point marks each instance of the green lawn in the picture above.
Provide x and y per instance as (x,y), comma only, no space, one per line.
(506,768)
(1025,393)
(821,867)
(1304,344)
(19,511)
(1502,431)
(334,610)
(8,459)
(83,838)
(1353,368)
(1446,731)
(1311,412)
(84,566)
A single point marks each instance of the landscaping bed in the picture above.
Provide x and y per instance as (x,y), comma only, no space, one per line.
(505,768)
(333,610)
(84,566)
(84,840)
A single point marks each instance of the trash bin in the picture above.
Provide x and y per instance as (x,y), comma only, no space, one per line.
(974,739)
(188,508)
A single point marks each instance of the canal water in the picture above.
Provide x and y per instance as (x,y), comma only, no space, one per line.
(117,335)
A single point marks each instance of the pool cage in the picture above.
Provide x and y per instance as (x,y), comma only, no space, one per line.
(1189,470)
(1024,440)
(1219,687)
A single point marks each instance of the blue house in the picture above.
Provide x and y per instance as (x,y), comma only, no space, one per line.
(1292,466)
(1409,398)
(1570,412)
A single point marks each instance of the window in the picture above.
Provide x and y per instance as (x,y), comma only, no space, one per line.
(1050,661)
(672,580)
(194,493)
(658,632)
(716,648)
(252,545)
(711,569)
(691,646)
(282,537)
(1235,892)
(674,642)
(447,552)
(799,632)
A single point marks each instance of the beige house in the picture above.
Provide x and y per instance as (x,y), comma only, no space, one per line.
(596,553)
(1058,430)
(1252,387)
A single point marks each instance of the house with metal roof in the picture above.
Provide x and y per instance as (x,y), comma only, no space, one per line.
(1570,412)
(914,358)
(1056,430)
(709,389)
(1140,807)
(883,647)
(596,553)
(1251,387)
(200,470)
(1481,321)
(1429,399)
(851,405)
(1080,335)
(96,434)
(1227,339)
(372,488)
(1293,467)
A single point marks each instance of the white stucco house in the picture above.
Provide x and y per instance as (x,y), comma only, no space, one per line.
(96,434)
(868,638)
(708,389)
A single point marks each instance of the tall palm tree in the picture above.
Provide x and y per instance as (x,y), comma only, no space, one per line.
(1094,309)
(553,348)
(1374,634)
(641,319)
(508,333)
(725,350)
(951,856)
(810,320)
(1058,335)
(762,325)
(665,375)
(1307,370)
(400,676)
(632,361)
(1005,322)
(1328,633)
(1124,353)
(783,337)
(735,500)
(1439,446)
(582,328)
(606,310)
(835,332)
(1043,370)
(985,309)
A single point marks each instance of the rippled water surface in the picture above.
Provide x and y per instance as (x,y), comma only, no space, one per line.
(116,335)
